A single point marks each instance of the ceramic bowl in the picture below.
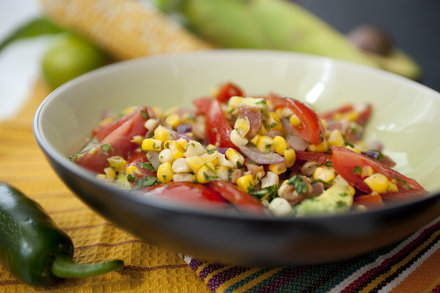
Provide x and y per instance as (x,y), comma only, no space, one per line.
(406,119)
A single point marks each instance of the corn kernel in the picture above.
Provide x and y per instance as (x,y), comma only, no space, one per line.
(269,180)
(118,163)
(137,139)
(188,118)
(366,171)
(234,157)
(280,207)
(194,148)
(242,125)
(165,156)
(255,139)
(222,161)
(182,142)
(278,168)
(294,120)
(162,134)
(392,187)
(322,147)
(184,177)
(150,144)
(377,182)
(151,124)
(133,170)
(173,120)
(233,102)
(237,139)
(324,174)
(274,122)
(194,163)
(262,130)
(128,110)
(210,158)
(176,149)
(180,166)
(324,123)
(110,173)
(352,190)
(265,144)
(105,121)
(354,149)
(280,144)
(290,156)
(245,182)
(351,116)
(222,172)
(165,172)
(336,139)
(205,173)
(210,148)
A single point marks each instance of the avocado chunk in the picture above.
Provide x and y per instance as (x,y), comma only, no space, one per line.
(336,199)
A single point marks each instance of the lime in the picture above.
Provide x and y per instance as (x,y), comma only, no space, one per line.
(68,56)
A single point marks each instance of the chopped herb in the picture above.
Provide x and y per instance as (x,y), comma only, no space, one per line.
(341,204)
(210,178)
(150,134)
(403,182)
(297,182)
(131,177)
(343,194)
(172,136)
(268,146)
(274,124)
(106,148)
(328,164)
(190,117)
(380,156)
(262,101)
(146,181)
(357,170)
(355,130)
(349,144)
(90,145)
(267,193)
(148,166)
(144,114)
(210,168)
(239,165)
(210,151)
(322,136)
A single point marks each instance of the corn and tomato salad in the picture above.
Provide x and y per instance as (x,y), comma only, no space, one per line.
(263,154)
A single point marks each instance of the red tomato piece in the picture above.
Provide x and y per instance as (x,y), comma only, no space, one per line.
(320,158)
(218,130)
(362,119)
(116,143)
(345,163)
(228,90)
(188,193)
(241,200)
(203,104)
(311,128)
(369,200)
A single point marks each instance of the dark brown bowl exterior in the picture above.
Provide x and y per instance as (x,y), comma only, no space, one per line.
(246,239)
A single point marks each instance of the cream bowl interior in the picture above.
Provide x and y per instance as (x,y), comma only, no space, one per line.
(406,115)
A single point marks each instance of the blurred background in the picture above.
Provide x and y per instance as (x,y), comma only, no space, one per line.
(412,25)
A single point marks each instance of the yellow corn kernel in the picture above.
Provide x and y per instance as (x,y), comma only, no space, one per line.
(265,144)
(180,166)
(211,158)
(278,168)
(274,122)
(182,142)
(324,123)
(205,173)
(262,130)
(294,120)
(110,173)
(118,163)
(194,148)
(336,138)
(255,139)
(244,182)
(367,171)
(173,120)
(233,102)
(322,147)
(128,110)
(165,172)
(162,134)
(151,124)
(242,125)
(352,190)
(392,187)
(210,148)
(290,156)
(165,156)
(234,157)
(222,161)
(324,174)
(137,139)
(354,149)
(105,121)
(184,177)
(352,115)
(377,182)
(237,139)
(194,163)
(150,144)
(280,144)
(222,172)
(133,170)
(176,149)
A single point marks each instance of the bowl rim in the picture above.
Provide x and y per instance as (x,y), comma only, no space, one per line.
(89,176)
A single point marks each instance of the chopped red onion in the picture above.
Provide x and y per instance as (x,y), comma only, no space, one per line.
(261,158)
(296,142)
(153,157)
(183,128)
(371,154)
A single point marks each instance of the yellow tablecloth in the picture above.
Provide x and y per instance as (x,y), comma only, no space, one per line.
(148,267)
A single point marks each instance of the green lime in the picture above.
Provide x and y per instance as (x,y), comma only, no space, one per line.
(68,56)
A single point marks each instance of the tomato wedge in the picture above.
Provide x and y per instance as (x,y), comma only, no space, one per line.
(193,194)
(218,130)
(320,158)
(362,118)
(241,200)
(116,143)
(228,90)
(311,128)
(345,162)
(369,200)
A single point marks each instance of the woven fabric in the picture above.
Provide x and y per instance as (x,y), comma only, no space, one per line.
(148,267)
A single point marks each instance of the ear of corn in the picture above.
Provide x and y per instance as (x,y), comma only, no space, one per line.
(124,28)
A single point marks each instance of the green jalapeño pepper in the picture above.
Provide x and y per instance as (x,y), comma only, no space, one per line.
(33,248)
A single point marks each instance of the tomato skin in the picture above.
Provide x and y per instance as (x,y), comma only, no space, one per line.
(345,161)
(228,90)
(362,119)
(241,200)
(119,141)
(218,130)
(320,158)
(311,128)
(369,200)
(202,104)
(189,193)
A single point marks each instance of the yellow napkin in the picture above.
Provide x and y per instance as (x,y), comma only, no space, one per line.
(148,267)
